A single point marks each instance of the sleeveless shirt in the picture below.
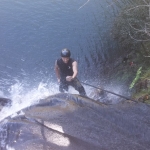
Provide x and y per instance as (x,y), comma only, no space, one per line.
(65,68)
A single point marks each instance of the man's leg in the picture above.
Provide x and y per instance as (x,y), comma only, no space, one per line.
(77,85)
(63,86)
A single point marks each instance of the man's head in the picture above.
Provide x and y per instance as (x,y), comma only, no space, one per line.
(65,54)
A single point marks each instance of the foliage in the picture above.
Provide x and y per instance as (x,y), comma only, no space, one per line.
(146,75)
(132,26)
(141,94)
(136,78)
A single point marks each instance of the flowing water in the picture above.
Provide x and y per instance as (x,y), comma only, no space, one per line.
(32,36)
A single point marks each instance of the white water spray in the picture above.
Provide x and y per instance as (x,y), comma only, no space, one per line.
(22,97)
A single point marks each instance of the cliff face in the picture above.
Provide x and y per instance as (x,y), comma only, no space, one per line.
(72,122)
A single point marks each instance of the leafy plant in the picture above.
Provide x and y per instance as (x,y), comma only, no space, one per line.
(136,78)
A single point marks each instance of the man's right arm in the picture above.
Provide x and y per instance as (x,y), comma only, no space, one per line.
(57,71)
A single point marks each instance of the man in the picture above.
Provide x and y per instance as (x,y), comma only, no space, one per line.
(66,72)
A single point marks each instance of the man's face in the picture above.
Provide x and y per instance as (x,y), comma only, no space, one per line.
(65,59)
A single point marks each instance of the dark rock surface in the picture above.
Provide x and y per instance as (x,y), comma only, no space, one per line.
(72,122)
(4,102)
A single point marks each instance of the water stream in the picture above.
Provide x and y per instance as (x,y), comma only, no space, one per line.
(32,36)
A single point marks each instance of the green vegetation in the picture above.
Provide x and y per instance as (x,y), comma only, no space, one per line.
(136,78)
(144,94)
(131,30)
(146,74)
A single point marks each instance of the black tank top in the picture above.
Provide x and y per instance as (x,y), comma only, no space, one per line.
(65,68)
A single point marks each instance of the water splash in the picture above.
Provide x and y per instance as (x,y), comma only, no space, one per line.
(9,148)
(23,97)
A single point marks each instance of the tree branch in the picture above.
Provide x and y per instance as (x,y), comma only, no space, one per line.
(137,7)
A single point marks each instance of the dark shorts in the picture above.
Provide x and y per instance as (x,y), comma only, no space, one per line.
(74,83)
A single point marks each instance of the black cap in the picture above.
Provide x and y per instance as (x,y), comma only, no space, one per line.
(65,53)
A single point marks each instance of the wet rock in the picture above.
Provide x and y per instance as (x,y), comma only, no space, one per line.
(4,102)
(73,122)
(98,95)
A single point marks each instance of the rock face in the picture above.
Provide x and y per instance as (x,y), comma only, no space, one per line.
(97,94)
(72,122)
(4,102)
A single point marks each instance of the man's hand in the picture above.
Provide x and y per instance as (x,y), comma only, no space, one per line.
(69,78)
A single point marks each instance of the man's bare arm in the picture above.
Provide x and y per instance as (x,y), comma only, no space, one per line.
(75,69)
(57,71)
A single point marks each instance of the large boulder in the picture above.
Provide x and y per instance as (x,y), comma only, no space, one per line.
(72,122)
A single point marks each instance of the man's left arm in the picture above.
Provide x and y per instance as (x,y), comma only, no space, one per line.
(75,71)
